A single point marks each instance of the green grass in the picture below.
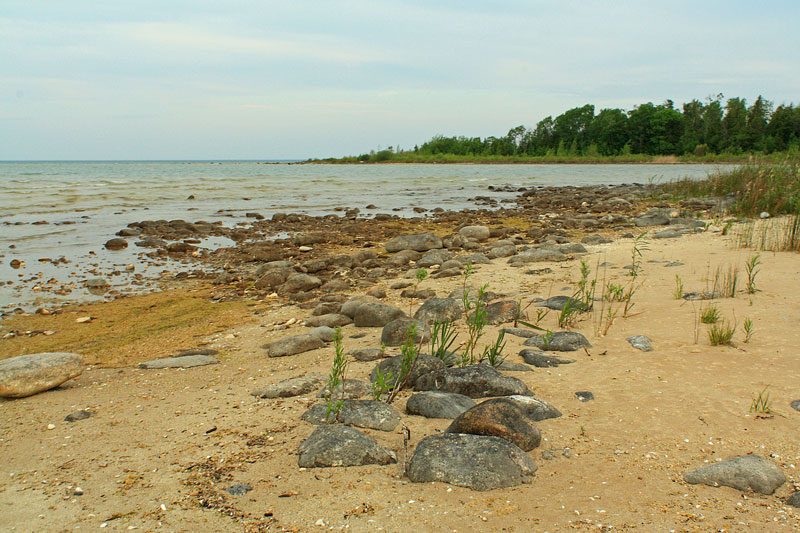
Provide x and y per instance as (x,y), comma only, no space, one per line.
(721,333)
(710,315)
(761,404)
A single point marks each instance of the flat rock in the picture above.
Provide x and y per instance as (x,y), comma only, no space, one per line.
(534,408)
(440,310)
(421,242)
(557,303)
(651,220)
(425,364)
(294,345)
(537,255)
(541,359)
(474,461)
(367,354)
(291,387)
(331,320)
(438,404)
(433,257)
(376,314)
(370,414)
(185,361)
(520,332)
(501,418)
(83,414)
(511,366)
(745,472)
(395,332)
(640,342)
(353,389)
(561,341)
(338,445)
(475,381)
(667,234)
(25,375)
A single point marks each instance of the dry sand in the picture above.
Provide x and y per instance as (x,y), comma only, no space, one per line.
(164,444)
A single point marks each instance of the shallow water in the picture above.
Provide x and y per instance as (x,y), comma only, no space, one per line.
(85,203)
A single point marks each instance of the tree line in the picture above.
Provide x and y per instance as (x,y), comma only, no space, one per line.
(698,129)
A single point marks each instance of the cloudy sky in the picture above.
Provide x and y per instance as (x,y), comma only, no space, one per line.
(197,79)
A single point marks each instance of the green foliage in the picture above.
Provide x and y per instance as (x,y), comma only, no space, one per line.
(476,321)
(336,376)
(721,333)
(761,404)
(748,330)
(710,314)
(493,352)
(751,267)
(678,292)
(442,339)
(386,386)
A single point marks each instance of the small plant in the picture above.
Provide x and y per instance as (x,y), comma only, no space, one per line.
(721,333)
(678,292)
(442,339)
(383,382)
(748,329)
(546,339)
(761,404)
(493,353)
(420,276)
(387,386)
(710,314)
(569,313)
(476,321)
(336,377)
(752,270)
(639,245)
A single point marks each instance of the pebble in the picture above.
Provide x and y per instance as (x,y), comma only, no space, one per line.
(84,319)
(51,426)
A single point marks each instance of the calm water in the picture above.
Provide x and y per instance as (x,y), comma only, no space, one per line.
(85,203)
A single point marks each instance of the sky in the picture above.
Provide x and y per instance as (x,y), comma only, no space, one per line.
(296,79)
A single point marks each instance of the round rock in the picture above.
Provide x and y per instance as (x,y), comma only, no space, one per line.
(25,375)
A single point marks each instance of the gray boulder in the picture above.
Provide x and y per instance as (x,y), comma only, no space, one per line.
(350,307)
(501,312)
(291,387)
(186,361)
(745,472)
(534,408)
(651,220)
(367,354)
(667,234)
(425,364)
(440,310)
(376,314)
(338,445)
(474,259)
(474,461)
(300,283)
(537,255)
(353,389)
(561,341)
(506,250)
(475,381)
(540,359)
(640,342)
(438,404)
(420,243)
(370,414)
(293,345)
(501,418)
(323,333)
(331,320)
(433,257)
(475,233)
(394,333)
(25,375)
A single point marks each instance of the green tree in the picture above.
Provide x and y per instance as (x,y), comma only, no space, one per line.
(757,119)
(734,125)
(608,131)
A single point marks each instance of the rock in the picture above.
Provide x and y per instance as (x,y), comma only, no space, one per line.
(377,292)
(394,333)
(474,259)
(595,239)
(557,303)
(745,472)
(367,354)
(26,375)
(338,445)
(541,359)
(640,342)
(425,364)
(300,283)
(475,381)
(537,255)
(503,311)
(440,310)
(438,404)
(403,258)
(196,351)
(116,244)
(239,489)
(447,273)
(584,395)
(433,257)
(473,461)
(331,320)
(561,341)
(475,233)
(293,345)
(78,415)
(667,234)
(96,283)
(350,307)
(520,332)
(291,387)
(501,418)
(323,333)
(370,414)
(510,366)
(534,408)
(419,243)
(795,405)
(572,248)
(794,499)
(418,294)
(353,390)
(651,220)
(506,250)
(326,308)
(186,361)
(375,315)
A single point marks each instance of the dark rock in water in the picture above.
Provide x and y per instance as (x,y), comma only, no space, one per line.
(395,332)
(584,396)
(425,364)
(419,243)
(561,341)
(534,408)
(367,354)
(293,345)
(371,414)
(541,359)
(338,445)
(440,310)
(640,342)
(186,361)
(475,381)
(78,415)
(794,499)
(116,244)
(473,461)
(291,387)
(239,489)
(148,241)
(29,374)
(331,320)
(501,418)
(375,315)
(129,232)
(745,472)
(557,303)
(180,248)
(353,389)
(437,404)
(502,311)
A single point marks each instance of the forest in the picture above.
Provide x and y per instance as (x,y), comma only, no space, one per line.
(696,130)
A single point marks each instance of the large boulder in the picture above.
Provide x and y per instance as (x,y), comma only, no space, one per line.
(394,333)
(300,283)
(475,381)
(438,404)
(501,418)
(537,255)
(502,311)
(745,472)
(534,408)
(370,414)
(424,364)
(293,345)
(338,445)
(440,310)
(331,320)
(561,341)
(25,375)
(376,315)
(475,233)
(291,387)
(474,461)
(419,243)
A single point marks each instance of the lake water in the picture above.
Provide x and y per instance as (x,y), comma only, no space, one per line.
(85,203)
